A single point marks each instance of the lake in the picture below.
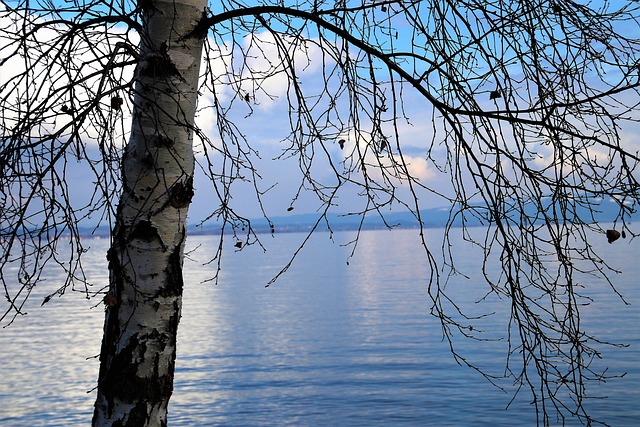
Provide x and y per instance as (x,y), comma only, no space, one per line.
(330,343)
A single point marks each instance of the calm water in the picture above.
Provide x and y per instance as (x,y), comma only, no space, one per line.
(328,344)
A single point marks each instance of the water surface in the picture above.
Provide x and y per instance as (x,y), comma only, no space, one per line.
(330,343)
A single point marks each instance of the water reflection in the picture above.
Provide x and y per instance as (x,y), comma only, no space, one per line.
(328,344)
(47,357)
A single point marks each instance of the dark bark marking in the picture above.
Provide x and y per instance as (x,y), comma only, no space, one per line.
(175,282)
(200,30)
(147,160)
(174,321)
(145,231)
(122,381)
(146,6)
(112,325)
(162,141)
(181,193)
(158,65)
(138,416)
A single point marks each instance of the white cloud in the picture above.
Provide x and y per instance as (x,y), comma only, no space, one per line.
(251,82)
(265,76)
(419,168)
(56,85)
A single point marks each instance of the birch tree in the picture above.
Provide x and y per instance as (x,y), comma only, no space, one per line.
(532,107)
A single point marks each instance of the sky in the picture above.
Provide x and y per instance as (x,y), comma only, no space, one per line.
(262,120)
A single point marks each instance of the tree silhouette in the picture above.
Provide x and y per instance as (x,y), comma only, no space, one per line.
(531,107)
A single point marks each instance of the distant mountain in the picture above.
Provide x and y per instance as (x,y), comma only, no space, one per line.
(598,211)
(603,211)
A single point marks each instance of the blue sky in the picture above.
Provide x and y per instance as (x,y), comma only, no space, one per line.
(267,127)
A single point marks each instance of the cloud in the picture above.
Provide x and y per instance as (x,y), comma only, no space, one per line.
(266,77)
(38,79)
(249,83)
(419,168)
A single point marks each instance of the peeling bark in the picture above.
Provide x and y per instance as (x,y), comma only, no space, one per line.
(137,359)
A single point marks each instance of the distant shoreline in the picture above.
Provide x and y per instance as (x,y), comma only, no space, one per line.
(212,230)
(305,223)
(599,212)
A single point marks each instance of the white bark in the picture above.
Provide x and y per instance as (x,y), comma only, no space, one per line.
(145,298)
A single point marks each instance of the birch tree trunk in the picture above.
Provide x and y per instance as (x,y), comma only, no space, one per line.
(138,352)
